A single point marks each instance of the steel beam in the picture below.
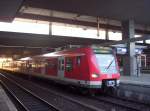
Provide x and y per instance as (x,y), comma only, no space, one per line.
(38,40)
(75,22)
(126,41)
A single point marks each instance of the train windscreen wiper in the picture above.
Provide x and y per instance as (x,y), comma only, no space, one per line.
(110,64)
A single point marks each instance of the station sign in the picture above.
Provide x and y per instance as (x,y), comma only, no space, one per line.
(123,50)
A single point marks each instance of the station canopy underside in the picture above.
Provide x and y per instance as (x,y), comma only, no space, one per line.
(80,12)
(25,44)
(12,43)
(37,40)
(111,9)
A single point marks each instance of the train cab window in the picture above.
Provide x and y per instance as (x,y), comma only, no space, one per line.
(78,60)
(69,64)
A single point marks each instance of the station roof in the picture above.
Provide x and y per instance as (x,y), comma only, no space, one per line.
(9,9)
(112,9)
(12,43)
(38,40)
(118,10)
(25,44)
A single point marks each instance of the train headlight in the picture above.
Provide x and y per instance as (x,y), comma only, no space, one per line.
(95,75)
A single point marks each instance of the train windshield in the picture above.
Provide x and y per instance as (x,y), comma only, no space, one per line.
(106,63)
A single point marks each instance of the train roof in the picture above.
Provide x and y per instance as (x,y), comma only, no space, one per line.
(59,52)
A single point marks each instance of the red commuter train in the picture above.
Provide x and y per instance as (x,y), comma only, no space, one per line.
(85,67)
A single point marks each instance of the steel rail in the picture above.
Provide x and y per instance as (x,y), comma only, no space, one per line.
(11,85)
(124,103)
(87,107)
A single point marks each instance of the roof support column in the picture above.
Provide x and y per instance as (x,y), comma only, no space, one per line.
(50,28)
(50,23)
(129,62)
(107,34)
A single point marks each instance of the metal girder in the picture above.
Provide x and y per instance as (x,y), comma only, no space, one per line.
(126,41)
(75,22)
(64,20)
(12,39)
(112,9)
(19,52)
(37,40)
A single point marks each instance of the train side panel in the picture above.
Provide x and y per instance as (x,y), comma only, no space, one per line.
(75,67)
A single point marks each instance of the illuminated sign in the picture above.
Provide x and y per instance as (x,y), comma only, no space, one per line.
(121,50)
(105,51)
(124,51)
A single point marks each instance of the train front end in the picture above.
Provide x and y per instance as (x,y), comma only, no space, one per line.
(104,68)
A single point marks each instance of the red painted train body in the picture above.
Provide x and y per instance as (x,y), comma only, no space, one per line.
(83,67)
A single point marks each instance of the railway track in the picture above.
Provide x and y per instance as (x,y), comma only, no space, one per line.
(26,99)
(124,103)
(111,103)
(120,103)
(62,103)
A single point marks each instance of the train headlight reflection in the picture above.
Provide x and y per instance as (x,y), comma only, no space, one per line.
(95,75)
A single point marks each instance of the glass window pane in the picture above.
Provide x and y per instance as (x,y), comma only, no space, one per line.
(69,64)
(106,63)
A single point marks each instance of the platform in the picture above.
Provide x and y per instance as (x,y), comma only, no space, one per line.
(143,80)
(5,102)
(135,88)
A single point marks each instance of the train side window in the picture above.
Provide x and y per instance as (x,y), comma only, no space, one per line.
(69,64)
(78,60)
(62,64)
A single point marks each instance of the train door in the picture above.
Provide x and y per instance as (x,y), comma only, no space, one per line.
(61,67)
(43,67)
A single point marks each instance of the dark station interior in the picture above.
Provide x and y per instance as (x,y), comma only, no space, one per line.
(74,55)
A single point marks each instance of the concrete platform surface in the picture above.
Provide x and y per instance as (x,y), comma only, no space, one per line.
(144,80)
(5,102)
